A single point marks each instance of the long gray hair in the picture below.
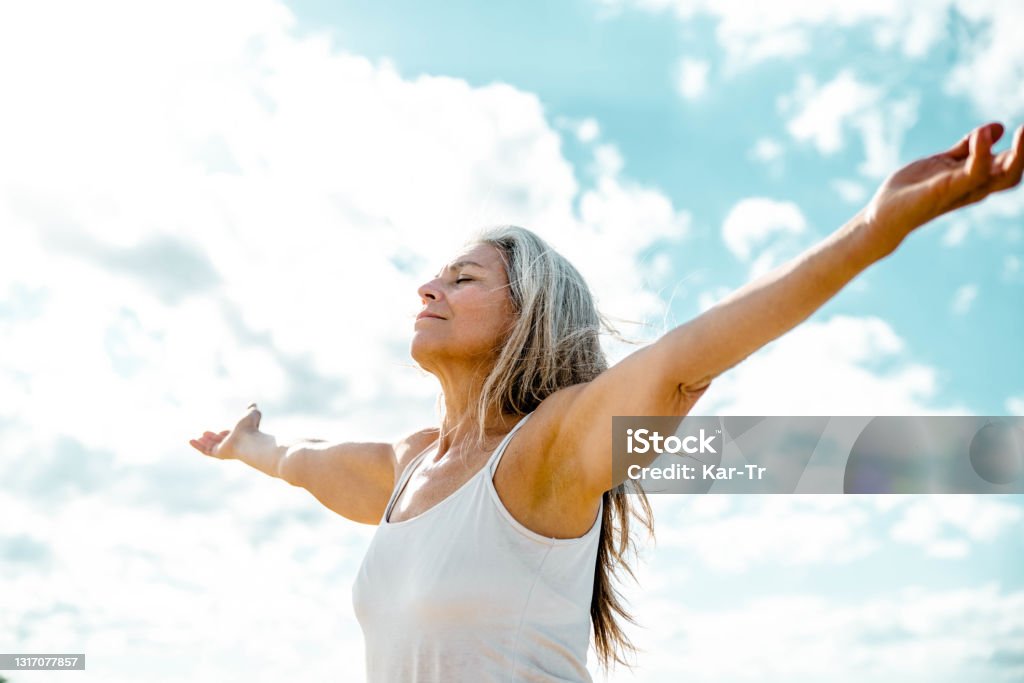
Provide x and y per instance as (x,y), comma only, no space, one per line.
(554,343)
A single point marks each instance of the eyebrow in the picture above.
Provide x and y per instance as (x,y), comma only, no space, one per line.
(459,264)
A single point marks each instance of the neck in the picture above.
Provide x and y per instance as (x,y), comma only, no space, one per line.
(459,429)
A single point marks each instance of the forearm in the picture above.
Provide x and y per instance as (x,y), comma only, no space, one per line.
(263,452)
(773,304)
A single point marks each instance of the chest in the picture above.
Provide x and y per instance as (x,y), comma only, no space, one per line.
(539,500)
(432,482)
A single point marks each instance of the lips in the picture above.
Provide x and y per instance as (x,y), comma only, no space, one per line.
(428,314)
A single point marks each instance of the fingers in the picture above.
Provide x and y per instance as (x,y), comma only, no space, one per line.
(981,174)
(1008,166)
(979,163)
(985,174)
(208,441)
(1004,172)
(215,438)
(995,131)
(962,149)
(204,445)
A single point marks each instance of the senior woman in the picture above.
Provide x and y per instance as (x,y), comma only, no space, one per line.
(500,529)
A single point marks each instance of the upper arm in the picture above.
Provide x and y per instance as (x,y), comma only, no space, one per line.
(352,479)
(643,383)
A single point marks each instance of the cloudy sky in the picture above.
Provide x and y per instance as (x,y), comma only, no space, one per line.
(208,203)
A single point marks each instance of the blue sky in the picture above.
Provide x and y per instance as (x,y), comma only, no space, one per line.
(621,68)
(211,203)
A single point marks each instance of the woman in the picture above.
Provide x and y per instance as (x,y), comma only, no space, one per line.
(500,530)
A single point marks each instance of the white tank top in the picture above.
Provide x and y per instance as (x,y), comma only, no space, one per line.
(464,592)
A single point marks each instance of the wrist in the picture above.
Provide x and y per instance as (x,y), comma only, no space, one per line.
(877,236)
(256,448)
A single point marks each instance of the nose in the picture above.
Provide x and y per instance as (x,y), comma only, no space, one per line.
(428,290)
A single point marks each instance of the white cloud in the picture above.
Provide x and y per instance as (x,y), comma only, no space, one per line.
(822,114)
(987,72)
(957,232)
(692,78)
(851,191)
(752,221)
(829,368)
(776,229)
(614,212)
(765,556)
(787,531)
(912,633)
(822,111)
(752,34)
(585,130)
(1015,405)
(996,219)
(131,586)
(963,299)
(882,132)
(608,160)
(249,220)
(766,150)
(947,525)
(310,253)
(588,130)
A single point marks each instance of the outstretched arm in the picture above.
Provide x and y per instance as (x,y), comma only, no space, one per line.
(667,377)
(777,302)
(354,480)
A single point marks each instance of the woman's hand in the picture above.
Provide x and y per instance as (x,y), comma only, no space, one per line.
(244,438)
(929,187)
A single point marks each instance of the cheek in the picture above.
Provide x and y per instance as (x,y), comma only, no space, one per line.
(493,318)
(505,320)
(487,306)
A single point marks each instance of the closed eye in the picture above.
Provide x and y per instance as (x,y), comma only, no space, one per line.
(463,279)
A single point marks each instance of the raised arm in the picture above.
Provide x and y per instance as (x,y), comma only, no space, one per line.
(765,309)
(352,479)
(667,377)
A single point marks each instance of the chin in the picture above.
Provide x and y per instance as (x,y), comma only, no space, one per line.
(420,349)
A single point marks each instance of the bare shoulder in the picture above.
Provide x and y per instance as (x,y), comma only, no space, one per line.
(539,482)
(407,448)
(536,448)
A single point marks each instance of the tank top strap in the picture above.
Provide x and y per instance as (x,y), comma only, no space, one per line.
(492,463)
(406,473)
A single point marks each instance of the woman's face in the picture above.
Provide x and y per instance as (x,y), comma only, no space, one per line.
(474,310)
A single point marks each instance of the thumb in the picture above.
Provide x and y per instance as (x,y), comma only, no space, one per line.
(252,418)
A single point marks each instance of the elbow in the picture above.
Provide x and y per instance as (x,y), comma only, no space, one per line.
(680,357)
(695,388)
(289,467)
